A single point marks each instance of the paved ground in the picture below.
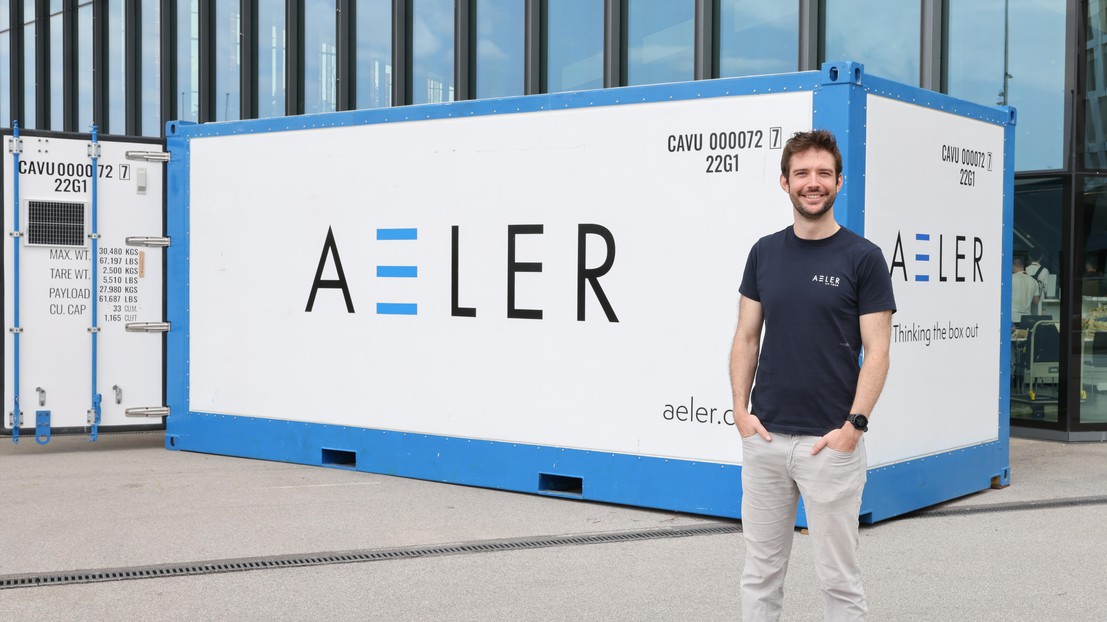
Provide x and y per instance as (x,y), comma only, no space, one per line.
(1034,551)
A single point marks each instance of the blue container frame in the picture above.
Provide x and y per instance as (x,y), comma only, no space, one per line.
(838,91)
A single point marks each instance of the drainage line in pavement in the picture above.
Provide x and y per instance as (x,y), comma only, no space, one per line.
(347,557)
(1044,504)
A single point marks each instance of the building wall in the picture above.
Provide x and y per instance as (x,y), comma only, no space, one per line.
(131,65)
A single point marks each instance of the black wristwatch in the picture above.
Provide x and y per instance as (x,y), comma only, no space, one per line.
(859,421)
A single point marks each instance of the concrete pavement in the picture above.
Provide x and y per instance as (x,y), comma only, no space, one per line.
(1034,551)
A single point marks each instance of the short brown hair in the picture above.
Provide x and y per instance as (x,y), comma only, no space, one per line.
(820,140)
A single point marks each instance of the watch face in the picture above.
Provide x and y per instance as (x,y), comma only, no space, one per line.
(861,422)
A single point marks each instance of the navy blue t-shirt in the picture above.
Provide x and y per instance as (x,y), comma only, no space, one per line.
(812,294)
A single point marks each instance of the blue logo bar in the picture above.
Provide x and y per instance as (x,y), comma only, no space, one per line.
(922,257)
(397,308)
(398,272)
(397,234)
(925,237)
(922,277)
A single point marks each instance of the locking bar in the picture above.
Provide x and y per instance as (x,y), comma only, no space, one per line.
(148,241)
(147,411)
(16,146)
(147,327)
(94,330)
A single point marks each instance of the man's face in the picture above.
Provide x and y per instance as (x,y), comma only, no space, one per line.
(812,183)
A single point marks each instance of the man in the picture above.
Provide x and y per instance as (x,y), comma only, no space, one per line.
(1038,272)
(1024,291)
(823,294)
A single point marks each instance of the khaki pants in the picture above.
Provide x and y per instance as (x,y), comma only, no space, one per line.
(774,475)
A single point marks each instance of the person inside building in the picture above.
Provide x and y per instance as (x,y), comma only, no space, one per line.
(1024,291)
(1039,272)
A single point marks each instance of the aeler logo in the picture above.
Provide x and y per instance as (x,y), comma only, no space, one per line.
(934,255)
(586,276)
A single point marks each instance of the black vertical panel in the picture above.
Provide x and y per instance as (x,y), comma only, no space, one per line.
(346,61)
(70,79)
(206,36)
(248,72)
(534,46)
(401,52)
(465,44)
(706,46)
(132,63)
(42,64)
(168,54)
(614,43)
(810,35)
(294,62)
(99,64)
(15,65)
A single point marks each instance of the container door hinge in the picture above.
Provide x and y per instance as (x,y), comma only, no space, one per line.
(148,411)
(147,241)
(42,426)
(147,156)
(147,327)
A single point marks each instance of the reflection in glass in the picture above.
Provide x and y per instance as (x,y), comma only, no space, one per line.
(57,73)
(1035,81)
(882,35)
(271,58)
(1093,306)
(757,37)
(432,51)
(1095,112)
(660,39)
(151,68)
(116,70)
(1035,355)
(29,65)
(320,57)
(374,53)
(188,60)
(228,60)
(5,78)
(5,64)
(574,54)
(84,66)
(500,37)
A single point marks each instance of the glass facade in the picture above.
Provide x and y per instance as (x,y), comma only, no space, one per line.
(757,37)
(151,67)
(1032,55)
(499,48)
(374,53)
(320,57)
(228,60)
(432,51)
(574,46)
(1013,54)
(57,75)
(660,40)
(271,58)
(884,36)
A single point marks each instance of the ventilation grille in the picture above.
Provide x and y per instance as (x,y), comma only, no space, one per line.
(55,223)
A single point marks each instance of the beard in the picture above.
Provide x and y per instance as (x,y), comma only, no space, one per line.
(816,214)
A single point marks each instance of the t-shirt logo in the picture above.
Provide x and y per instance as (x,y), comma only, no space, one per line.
(826,280)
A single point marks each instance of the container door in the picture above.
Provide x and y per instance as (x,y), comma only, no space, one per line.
(83,285)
